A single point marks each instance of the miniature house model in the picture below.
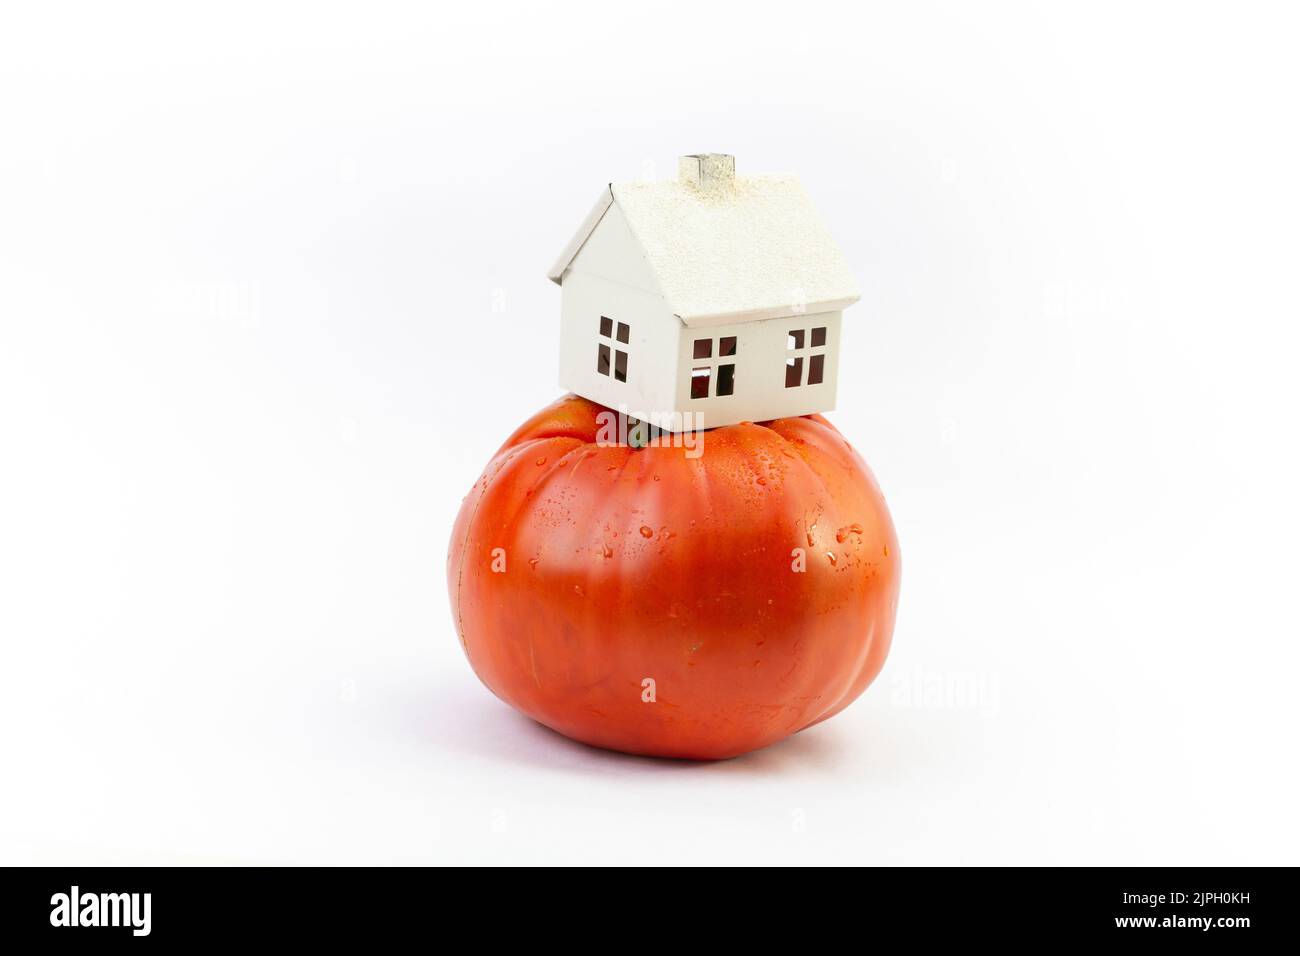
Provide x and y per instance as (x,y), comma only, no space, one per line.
(705,301)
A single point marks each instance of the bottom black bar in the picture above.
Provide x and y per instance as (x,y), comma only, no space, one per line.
(335,906)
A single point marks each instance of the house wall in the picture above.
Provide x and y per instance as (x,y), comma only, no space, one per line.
(761,354)
(648,392)
(610,277)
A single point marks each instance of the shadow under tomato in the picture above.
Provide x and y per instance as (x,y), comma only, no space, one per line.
(469,720)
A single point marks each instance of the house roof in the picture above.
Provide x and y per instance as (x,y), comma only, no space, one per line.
(725,248)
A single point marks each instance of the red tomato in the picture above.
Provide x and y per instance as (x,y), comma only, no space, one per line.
(651,602)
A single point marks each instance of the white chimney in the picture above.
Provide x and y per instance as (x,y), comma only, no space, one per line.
(707,171)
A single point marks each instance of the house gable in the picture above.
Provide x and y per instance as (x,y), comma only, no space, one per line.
(612,252)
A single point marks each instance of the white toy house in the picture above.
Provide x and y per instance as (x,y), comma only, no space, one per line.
(705,301)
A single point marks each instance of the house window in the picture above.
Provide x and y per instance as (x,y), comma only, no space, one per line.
(716,377)
(603,349)
(726,379)
(814,352)
(794,371)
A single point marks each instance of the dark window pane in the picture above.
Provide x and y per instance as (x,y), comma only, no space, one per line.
(795,339)
(793,372)
(620,366)
(622,332)
(819,337)
(727,345)
(815,369)
(703,348)
(602,360)
(700,382)
(606,326)
(726,379)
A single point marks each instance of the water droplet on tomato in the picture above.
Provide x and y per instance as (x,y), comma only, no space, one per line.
(541,461)
(844,532)
(647,531)
(830,556)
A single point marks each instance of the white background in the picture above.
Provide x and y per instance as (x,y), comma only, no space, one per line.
(272,292)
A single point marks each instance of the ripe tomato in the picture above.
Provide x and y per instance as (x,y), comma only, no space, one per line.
(651,602)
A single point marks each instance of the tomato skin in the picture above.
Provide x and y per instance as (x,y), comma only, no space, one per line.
(619,564)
